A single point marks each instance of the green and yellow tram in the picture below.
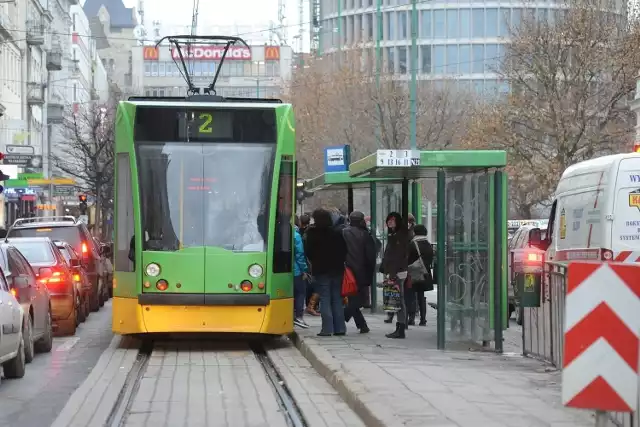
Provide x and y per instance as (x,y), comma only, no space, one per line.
(203,216)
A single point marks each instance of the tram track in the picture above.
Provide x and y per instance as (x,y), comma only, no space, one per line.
(118,415)
(286,403)
(285,399)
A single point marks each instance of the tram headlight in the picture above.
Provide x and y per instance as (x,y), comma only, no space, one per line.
(153,270)
(255,270)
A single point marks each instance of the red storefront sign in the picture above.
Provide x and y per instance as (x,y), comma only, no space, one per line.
(213,53)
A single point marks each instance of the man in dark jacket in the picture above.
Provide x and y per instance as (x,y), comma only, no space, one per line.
(361,260)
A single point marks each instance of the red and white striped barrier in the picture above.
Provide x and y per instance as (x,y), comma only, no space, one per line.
(627,256)
(602,336)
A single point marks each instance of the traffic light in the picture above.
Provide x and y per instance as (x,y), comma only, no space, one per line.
(83,204)
(3,177)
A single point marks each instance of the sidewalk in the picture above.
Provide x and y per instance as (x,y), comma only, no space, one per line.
(409,382)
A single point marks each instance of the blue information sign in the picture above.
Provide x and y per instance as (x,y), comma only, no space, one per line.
(337,158)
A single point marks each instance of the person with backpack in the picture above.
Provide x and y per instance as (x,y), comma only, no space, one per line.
(420,263)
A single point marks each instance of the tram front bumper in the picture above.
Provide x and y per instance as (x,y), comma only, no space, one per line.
(132,317)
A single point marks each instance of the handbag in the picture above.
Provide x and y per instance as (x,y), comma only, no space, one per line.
(349,284)
(391,296)
(417,269)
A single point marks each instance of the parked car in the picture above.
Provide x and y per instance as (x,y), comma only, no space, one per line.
(52,271)
(33,297)
(107,267)
(80,278)
(11,339)
(520,240)
(68,229)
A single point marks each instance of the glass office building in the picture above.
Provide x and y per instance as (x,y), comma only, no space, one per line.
(456,40)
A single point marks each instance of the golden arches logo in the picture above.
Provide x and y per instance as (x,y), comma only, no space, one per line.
(150,53)
(271,53)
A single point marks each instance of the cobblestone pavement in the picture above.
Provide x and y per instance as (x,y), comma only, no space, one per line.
(36,399)
(215,383)
(411,383)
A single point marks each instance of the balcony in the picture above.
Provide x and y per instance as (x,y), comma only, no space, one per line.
(54,58)
(35,93)
(6,26)
(35,33)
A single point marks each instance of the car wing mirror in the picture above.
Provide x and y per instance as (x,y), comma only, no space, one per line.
(535,237)
(20,282)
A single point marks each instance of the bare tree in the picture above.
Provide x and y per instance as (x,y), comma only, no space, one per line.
(570,82)
(88,152)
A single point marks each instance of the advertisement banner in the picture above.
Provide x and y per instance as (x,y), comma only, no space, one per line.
(213,53)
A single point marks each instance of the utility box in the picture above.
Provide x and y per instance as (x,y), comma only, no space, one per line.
(529,289)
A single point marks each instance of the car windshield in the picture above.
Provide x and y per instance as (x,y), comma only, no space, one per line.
(213,194)
(70,235)
(35,252)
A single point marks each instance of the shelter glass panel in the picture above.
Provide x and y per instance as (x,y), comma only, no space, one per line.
(467,260)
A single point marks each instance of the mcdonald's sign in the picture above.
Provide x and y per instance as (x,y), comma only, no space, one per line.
(272,53)
(150,53)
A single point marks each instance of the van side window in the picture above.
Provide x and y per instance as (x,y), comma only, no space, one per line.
(552,221)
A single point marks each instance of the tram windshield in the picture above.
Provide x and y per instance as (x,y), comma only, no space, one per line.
(212,194)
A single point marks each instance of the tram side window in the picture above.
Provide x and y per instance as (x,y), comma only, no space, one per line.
(283,239)
(124,212)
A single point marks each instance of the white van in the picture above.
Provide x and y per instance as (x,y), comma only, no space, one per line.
(596,211)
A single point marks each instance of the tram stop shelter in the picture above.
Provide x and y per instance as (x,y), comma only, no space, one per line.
(471,235)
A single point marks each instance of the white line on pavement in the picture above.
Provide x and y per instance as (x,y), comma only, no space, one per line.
(68,344)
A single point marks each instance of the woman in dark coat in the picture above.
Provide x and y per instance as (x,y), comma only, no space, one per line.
(395,264)
(420,285)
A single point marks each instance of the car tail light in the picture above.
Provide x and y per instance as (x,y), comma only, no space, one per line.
(84,249)
(14,292)
(76,277)
(246,286)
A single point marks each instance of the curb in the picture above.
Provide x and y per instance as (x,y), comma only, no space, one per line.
(93,401)
(322,361)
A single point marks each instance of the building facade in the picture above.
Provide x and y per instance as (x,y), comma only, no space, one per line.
(255,72)
(462,40)
(113,28)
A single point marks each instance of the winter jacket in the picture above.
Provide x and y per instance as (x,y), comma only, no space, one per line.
(300,261)
(396,253)
(426,250)
(326,251)
(361,254)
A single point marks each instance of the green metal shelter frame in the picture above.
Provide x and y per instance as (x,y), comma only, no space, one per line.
(471,237)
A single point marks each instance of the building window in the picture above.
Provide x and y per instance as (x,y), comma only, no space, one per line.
(439,24)
(452,23)
(439,59)
(464,30)
(464,58)
(426,28)
(391,26)
(452,59)
(402,60)
(505,22)
(478,58)
(426,59)
(491,23)
(391,60)
(402,24)
(478,23)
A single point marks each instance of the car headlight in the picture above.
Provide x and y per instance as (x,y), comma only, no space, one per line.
(255,270)
(153,270)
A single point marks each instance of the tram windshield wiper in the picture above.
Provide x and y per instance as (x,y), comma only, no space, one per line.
(179,41)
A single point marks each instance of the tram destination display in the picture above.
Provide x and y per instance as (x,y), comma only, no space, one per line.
(200,125)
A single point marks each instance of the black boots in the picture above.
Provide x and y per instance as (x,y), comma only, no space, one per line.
(399,332)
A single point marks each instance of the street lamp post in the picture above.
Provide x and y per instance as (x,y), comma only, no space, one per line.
(414,70)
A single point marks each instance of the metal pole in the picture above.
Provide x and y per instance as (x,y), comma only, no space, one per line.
(602,420)
(441,261)
(414,70)
(339,32)
(497,262)
(379,28)
(372,210)
(257,88)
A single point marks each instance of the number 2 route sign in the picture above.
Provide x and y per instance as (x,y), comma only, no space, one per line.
(398,158)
